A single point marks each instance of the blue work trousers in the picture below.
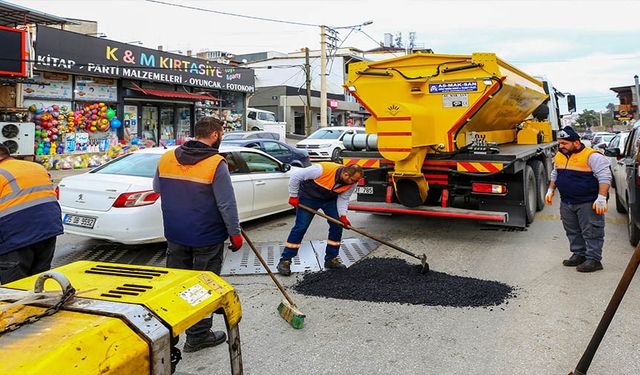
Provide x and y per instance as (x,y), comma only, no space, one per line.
(584,229)
(303,220)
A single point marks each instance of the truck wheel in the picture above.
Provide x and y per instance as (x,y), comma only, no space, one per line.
(335,155)
(619,205)
(634,232)
(541,183)
(530,194)
(255,128)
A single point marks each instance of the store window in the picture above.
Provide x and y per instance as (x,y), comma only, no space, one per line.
(149,124)
(167,132)
(232,110)
(183,115)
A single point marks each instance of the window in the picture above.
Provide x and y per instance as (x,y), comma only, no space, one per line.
(614,142)
(232,164)
(259,163)
(252,115)
(275,149)
(141,165)
(266,116)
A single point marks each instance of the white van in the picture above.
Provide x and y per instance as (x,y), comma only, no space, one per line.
(258,118)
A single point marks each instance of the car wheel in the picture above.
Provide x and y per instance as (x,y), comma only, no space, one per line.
(255,128)
(335,155)
(530,194)
(619,204)
(539,173)
(634,232)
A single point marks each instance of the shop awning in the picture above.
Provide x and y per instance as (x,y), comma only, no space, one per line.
(173,94)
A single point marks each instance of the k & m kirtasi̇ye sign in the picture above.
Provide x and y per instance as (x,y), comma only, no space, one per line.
(66,51)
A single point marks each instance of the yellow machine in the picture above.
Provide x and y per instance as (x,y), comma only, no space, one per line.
(440,107)
(124,319)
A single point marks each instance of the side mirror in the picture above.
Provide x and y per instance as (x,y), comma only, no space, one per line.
(612,152)
(571,103)
(286,167)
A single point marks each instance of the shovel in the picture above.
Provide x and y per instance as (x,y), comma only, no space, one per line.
(609,313)
(422,259)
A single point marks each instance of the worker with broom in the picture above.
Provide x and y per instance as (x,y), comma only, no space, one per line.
(199,212)
(324,186)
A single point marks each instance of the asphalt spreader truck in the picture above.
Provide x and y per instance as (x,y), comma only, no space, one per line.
(461,136)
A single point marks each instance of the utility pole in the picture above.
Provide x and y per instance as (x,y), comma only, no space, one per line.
(637,114)
(323,76)
(307,108)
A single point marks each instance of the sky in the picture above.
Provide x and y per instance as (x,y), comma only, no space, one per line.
(582,47)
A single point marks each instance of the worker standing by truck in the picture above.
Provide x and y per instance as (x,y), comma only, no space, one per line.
(582,176)
(325,186)
(199,212)
(27,201)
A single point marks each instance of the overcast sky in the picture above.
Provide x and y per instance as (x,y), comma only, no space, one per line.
(584,47)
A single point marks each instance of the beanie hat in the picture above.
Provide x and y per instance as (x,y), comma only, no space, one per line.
(567,133)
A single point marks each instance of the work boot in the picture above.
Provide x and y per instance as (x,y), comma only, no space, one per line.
(195,343)
(334,264)
(589,266)
(284,267)
(575,260)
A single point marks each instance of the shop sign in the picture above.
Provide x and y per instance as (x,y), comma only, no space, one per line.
(66,51)
(49,85)
(96,89)
(13,52)
(333,103)
(622,115)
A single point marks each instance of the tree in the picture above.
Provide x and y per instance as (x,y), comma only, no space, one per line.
(588,118)
(610,107)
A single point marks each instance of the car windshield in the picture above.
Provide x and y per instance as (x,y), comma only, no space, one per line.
(140,165)
(326,134)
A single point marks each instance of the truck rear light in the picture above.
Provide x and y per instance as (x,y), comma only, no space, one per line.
(487,188)
(136,199)
(361,182)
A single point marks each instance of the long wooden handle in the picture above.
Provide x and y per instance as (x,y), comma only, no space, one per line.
(609,313)
(266,267)
(334,220)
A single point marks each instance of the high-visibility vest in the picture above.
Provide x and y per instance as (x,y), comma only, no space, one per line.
(575,180)
(327,186)
(189,209)
(29,210)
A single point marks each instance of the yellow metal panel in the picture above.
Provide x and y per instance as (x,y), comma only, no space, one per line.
(71,343)
(179,297)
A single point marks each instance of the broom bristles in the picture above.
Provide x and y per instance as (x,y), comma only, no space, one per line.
(291,314)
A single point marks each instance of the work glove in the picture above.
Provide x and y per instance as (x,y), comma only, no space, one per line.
(600,205)
(236,243)
(294,201)
(345,221)
(548,199)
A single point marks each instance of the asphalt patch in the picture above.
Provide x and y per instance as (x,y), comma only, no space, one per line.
(393,280)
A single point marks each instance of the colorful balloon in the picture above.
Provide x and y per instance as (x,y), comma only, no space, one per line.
(115,123)
(111,114)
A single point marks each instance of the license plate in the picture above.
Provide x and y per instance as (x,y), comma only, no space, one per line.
(365,189)
(80,221)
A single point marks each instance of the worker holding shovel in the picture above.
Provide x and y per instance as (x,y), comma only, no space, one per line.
(324,186)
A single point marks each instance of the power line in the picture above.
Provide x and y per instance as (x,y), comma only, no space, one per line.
(233,14)
(375,41)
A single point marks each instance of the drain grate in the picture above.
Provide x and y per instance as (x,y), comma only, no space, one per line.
(351,250)
(244,262)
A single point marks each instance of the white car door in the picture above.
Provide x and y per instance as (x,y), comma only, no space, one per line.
(242,187)
(270,183)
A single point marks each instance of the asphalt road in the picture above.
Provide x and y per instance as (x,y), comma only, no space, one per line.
(543,330)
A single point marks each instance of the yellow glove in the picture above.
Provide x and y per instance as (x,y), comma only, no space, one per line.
(548,199)
(600,205)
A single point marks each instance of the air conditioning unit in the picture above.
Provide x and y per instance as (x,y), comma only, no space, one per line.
(18,136)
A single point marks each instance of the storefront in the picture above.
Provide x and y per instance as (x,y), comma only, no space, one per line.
(158,96)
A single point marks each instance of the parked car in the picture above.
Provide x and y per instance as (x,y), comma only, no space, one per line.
(618,173)
(258,118)
(627,182)
(601,140)
(250,135)
(326,143)
(116,201)
(279,150)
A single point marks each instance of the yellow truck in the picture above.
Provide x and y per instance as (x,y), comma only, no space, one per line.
(461,136)
(106,318)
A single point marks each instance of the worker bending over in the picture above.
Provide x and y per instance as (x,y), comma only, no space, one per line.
(326,187)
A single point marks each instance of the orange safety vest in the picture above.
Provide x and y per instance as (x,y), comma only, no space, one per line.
(202,172)
(575,179)
(328,177)
(22,185)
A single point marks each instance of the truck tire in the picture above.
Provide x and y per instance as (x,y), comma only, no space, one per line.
(619,205)
(530,194)
(541,183)
(634,232)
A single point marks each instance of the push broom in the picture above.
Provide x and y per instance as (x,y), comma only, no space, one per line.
(287,309)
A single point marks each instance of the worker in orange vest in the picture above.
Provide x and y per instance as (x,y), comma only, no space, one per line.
(30,218)
(324,186)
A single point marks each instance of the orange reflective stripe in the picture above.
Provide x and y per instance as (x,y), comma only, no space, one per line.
(203,172)
(575,162)
(23,185)
(292,245)
(333,243)
(328,177)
